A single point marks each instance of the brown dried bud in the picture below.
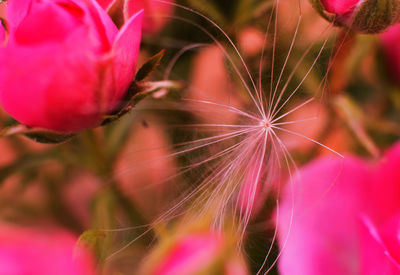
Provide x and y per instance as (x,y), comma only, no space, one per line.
(366,16)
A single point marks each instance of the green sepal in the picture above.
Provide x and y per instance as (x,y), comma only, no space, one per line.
(374,16)
(125,107)
(36,134)
(371,16)
(149,66)
(137,92)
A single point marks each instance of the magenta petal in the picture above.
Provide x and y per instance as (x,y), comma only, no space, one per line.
(105,4)
(339,7)
(110,29)
(56,23)
(125,52)
(17,10)
(385,201)
(34,252)
(380,247)
(191,254)
(64,94)
(323,235)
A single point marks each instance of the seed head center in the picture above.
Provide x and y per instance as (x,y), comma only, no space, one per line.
(265,124)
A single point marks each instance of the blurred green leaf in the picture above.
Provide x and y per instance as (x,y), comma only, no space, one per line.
(91,239)
(25,164)
(245,10)
(210,10)
(355,118)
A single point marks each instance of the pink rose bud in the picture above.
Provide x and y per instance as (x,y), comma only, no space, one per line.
(190,254)
(65,65)
(196,253)
(33,252)
(391,45)
(367,16)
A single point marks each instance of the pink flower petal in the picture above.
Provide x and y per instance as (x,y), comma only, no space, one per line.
(105,4)
(323,235)
(58,98)
(340,7)
(190,255)
(56,22)
(124,52)
(17,10)
(380,247)
(385,191)
(106,23)
(34,252)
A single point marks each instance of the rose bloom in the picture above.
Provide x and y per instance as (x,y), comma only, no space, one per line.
(340,7)
(65,64)
(391,47)
(195,253)
(346,217)
(368,16)
(44,252)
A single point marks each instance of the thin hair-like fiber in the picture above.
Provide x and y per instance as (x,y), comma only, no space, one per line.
(230,164)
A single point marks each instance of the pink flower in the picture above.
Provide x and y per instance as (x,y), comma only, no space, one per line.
(391,45)
(340,7)
(190,254)
(369,16)
(346,218)
(33,252)
(65,64)
(197,253)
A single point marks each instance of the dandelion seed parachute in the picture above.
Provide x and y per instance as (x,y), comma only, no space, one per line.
(229,164)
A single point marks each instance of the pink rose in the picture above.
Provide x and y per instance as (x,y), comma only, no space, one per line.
(340,7)
(34,252)
(391,45)
(65,64)
(196,253)
(190,254)
(346,218)
(369,16)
